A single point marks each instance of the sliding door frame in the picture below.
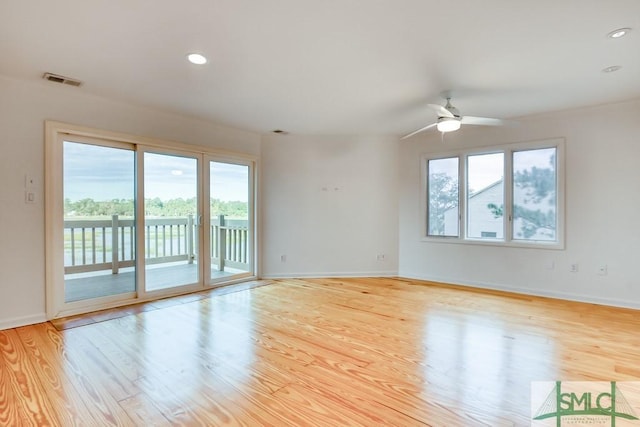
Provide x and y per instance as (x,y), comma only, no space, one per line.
(142,289)
(55,134)
(252,216)
(54,220)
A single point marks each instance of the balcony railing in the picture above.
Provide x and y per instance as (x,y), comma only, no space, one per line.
(97,245)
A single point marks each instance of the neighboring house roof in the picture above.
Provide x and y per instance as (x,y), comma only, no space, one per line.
(487,188)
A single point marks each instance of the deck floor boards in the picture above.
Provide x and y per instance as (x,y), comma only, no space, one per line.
(101,284)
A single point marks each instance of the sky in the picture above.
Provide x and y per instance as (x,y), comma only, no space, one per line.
(105,173)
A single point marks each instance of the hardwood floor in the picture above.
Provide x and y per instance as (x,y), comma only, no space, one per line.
(321,352)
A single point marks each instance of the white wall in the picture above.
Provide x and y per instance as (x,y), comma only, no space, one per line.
(328,232)
(330,206)
(602,209)
(24,106)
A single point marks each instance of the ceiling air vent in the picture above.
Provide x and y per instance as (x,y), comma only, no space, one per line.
(61,79)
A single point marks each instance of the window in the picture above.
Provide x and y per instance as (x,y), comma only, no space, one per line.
(535,185)
(512,195)
(485,196)
(488,234)
(443,197)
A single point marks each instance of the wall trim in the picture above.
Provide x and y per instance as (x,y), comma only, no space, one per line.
(528,291)
(17,322)
(330,275)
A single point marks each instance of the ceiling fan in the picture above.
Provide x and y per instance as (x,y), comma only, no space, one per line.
(449,119)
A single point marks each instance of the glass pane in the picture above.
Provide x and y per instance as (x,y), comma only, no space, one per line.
(99,226)
(485,196)
(171,217)
(443,197)
(230,238)
(534,195)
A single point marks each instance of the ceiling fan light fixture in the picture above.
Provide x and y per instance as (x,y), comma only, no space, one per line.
(448,124)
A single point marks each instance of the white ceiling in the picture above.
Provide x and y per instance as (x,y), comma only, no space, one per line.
(330,66)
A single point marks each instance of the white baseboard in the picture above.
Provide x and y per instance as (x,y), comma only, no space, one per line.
(16,322)
(330,275)
(528,291)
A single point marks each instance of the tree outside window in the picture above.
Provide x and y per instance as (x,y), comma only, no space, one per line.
(443,196)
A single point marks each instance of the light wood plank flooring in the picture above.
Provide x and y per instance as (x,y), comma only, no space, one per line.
(321,352)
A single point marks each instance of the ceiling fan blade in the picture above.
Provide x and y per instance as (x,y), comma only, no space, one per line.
(442,112)
(482,121)
(419,130)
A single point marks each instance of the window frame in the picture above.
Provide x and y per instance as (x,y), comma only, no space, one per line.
(466,195)
(426,195)
(508,150)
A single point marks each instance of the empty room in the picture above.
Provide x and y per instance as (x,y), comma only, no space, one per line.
(319,213)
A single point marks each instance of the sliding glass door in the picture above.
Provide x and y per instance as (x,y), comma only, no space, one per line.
(230,218)
(99,226)
(128,221)
(172,221)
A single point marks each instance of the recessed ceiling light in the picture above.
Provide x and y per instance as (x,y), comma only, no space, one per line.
(196,58)
(620,32)
(611,69)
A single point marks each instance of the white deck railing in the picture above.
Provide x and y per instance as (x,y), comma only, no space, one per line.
(95,245)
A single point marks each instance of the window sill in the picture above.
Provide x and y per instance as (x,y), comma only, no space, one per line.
(496,243)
